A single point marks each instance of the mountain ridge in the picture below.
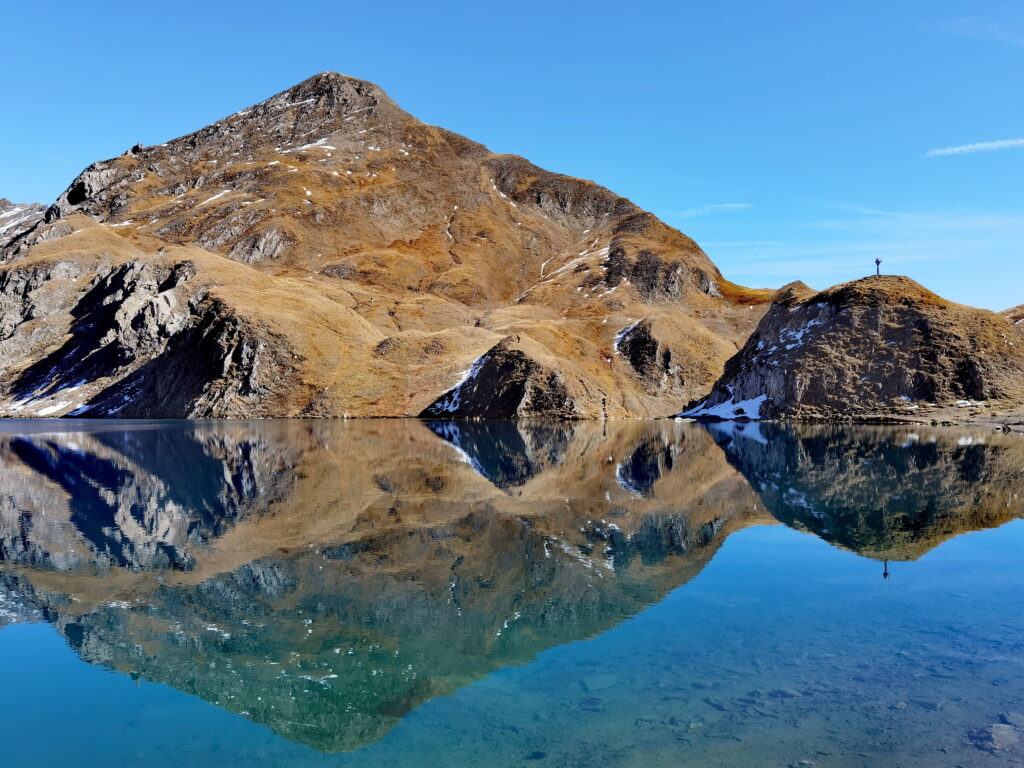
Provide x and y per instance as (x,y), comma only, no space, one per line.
(395,255)
(323,253)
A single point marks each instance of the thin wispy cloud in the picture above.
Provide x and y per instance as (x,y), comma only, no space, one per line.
(981,146)
(709,210)
(51,157)
(981,29)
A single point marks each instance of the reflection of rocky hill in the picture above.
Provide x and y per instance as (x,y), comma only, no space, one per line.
(883,492)
(381,570)
(506,452)
(133,498)
(326,578)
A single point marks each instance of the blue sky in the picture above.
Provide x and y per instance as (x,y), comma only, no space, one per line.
(792,140)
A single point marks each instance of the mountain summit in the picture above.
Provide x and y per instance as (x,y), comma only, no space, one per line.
(325,253)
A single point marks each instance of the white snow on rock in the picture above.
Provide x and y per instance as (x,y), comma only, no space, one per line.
(451,401)
(322,144)
(451,432)
(15,217)
(51,409)
(207,200)
(729,410)
(794,337)
(622,334)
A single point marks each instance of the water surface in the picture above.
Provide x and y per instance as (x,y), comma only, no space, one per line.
(410,593)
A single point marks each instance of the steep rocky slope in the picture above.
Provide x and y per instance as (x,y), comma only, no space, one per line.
(16,219)
(872,347)
(325,253)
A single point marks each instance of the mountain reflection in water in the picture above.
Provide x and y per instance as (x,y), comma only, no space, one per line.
(325,579)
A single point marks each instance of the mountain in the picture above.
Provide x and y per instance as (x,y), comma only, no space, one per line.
(325,253)
(881,346)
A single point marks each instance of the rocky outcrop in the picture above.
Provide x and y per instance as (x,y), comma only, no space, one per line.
(506,382)
(876,346)
(142,338)
(397,253)
(16,220)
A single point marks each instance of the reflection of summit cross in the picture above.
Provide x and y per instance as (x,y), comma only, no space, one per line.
(878,267)
(885,569)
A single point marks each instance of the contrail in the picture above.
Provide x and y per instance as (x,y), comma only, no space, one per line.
(981,146)
(51,157)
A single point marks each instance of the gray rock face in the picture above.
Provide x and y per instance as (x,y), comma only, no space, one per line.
(646,355)
(16,220)
(137,339)
(503,383)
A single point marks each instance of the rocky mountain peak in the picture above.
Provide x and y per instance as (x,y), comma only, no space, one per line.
(882,290)
(324,104)
(401,255)
(324,108)
(335,90)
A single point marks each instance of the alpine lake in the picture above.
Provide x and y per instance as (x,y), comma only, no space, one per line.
(473,593)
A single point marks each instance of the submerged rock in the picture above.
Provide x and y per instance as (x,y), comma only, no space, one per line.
(996,738)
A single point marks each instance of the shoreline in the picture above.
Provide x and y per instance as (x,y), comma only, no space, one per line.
(1006,421)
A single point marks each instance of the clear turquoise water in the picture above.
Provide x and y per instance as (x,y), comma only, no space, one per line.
(596,595)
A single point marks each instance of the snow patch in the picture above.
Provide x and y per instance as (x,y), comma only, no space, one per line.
(623,334)
(730,410)
(451,401)
(322,144)
(211,199)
